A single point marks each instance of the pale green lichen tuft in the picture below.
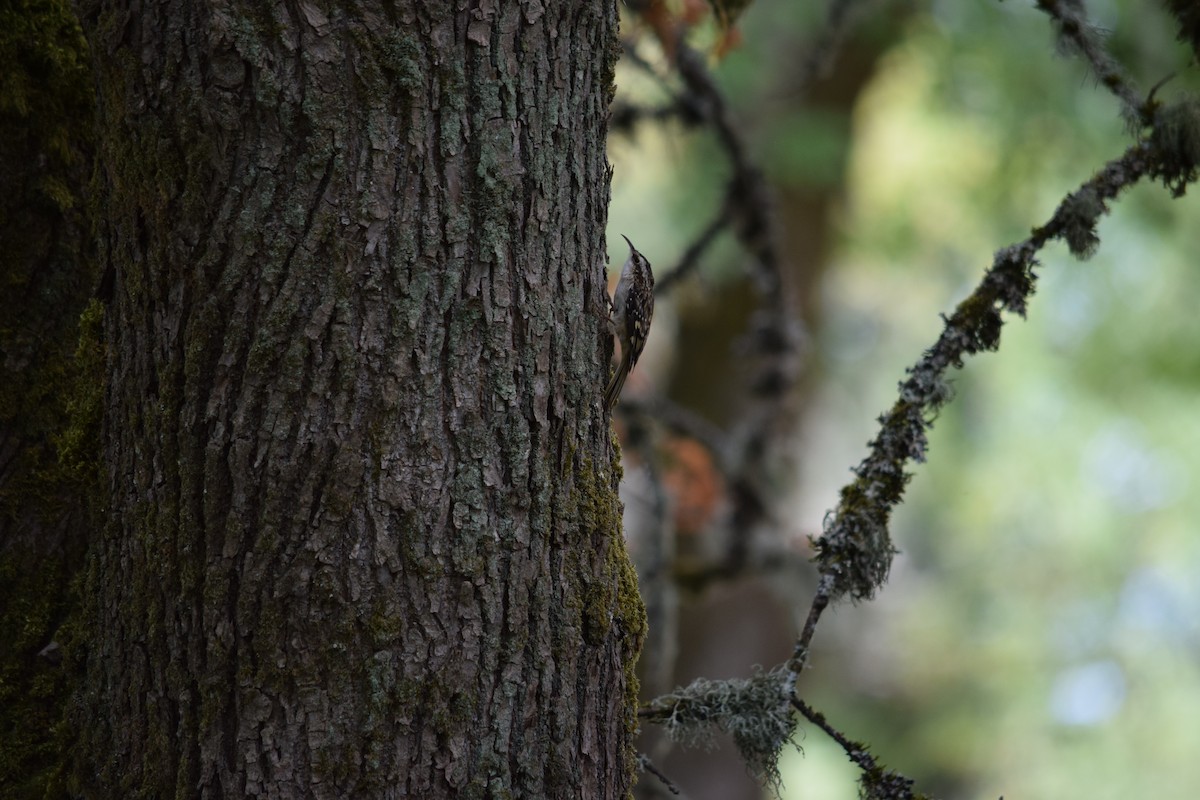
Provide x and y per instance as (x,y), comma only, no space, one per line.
(756,712)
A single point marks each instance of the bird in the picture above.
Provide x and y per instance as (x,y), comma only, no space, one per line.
(633,309)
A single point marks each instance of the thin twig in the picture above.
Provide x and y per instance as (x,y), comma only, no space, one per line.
(876,781)
(820,602)
(684,422)
(625,116)
(681,105)
(855,751)
(691,257)
(646,765)
(1077,34)
(747,192)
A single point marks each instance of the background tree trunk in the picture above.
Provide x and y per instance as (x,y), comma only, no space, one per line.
(364,537)
(48,426)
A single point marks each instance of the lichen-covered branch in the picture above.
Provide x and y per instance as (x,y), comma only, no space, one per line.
(876,783)
(756,712)
(646,765)
(1077,35)
(855,552)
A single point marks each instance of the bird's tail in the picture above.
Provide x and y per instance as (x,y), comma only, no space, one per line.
(616,383)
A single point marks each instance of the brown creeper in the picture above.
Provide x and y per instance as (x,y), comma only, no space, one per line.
(633,308)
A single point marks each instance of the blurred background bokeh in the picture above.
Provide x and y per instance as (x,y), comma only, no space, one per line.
(1040,634)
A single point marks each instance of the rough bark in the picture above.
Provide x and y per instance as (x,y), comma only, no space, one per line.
(364,537)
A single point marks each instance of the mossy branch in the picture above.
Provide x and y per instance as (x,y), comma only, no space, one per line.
(854,554)
(756,712)
(1077,36)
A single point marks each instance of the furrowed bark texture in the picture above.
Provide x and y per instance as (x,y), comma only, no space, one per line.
(365,539)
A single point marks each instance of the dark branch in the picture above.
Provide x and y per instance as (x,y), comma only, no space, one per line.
(747,194)
(855,751)
(838,17)
(691,257)
(820,602)
(646,765)
(876,782)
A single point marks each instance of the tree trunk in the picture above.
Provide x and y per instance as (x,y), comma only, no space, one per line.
(48,428)
(364,537)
